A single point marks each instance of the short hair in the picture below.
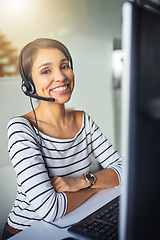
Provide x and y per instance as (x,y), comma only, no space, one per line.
(28,54)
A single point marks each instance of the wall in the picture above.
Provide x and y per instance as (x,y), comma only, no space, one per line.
(88,28)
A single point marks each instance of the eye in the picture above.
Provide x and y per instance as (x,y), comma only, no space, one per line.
(65,66)
(45,71)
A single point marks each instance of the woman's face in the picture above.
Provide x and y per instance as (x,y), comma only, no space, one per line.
(52,75)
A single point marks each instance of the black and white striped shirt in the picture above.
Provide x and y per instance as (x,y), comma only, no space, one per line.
(36,199)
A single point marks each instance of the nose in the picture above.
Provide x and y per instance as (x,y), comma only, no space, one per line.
(59,76)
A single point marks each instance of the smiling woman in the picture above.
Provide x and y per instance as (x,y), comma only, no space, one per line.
(51,147)
(52,75)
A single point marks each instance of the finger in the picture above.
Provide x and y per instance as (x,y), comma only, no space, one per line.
(55,180)
(59,190)
(61,187)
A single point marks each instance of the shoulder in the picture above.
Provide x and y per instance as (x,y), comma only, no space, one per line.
(20,129)
(76,116)
(81,117)
(19,123)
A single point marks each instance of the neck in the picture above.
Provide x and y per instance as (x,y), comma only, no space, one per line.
(51,113)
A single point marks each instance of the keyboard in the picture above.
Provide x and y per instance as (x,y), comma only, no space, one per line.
(102,224)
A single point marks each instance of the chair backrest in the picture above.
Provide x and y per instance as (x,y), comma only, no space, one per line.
(7,193)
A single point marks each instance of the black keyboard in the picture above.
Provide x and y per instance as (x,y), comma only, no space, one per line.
(102,224)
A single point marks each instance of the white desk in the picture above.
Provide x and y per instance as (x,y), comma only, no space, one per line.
(47,231)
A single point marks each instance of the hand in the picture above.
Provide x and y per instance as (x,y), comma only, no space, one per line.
(62,184)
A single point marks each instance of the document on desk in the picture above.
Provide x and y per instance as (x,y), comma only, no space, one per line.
(92,204)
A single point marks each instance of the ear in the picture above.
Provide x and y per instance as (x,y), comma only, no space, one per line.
(28,86)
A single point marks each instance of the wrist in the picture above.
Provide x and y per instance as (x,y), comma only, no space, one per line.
(82,182)
(90,179)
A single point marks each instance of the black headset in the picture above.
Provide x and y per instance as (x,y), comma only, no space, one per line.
(28,86)
(29,89)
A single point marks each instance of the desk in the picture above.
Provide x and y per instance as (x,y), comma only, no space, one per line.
(48,231)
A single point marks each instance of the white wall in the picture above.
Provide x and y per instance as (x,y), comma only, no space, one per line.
(88,28)
(12,103)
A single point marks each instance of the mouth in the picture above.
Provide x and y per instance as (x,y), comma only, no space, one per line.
(61,90)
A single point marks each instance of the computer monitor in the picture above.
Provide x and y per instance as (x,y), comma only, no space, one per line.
(140,209)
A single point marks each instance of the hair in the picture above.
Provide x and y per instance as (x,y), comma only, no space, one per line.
(28,54)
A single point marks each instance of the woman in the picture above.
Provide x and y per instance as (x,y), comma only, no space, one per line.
(50,148)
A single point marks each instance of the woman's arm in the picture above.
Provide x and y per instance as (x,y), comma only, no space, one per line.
(75,191)
(33,180)
(106,178)
(75,199)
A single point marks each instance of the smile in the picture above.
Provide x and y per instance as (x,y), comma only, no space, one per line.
(60,89)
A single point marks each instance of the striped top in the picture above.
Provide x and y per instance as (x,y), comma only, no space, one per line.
(34,166)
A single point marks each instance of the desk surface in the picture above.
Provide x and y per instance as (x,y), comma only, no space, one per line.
(57,230)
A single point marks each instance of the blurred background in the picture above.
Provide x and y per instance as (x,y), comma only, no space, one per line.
(91,29)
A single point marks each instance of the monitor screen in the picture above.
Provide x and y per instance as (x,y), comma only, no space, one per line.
(140,209)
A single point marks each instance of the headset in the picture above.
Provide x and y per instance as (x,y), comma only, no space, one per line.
(29,89)
(28,86)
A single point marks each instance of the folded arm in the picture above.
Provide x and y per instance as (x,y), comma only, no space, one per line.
(106,178)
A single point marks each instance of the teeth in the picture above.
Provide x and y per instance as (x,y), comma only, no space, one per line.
(59,89)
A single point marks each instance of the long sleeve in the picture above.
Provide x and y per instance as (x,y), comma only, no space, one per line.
(34,166)
(103,150)
(37,195)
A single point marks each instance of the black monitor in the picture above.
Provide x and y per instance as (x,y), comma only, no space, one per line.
(140,209)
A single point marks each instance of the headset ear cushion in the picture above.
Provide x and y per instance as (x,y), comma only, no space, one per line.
(32,87)
(24,88)
(28,86)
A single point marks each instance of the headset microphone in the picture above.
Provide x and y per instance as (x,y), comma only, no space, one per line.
(40,98)
(24,89)
(28,86)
